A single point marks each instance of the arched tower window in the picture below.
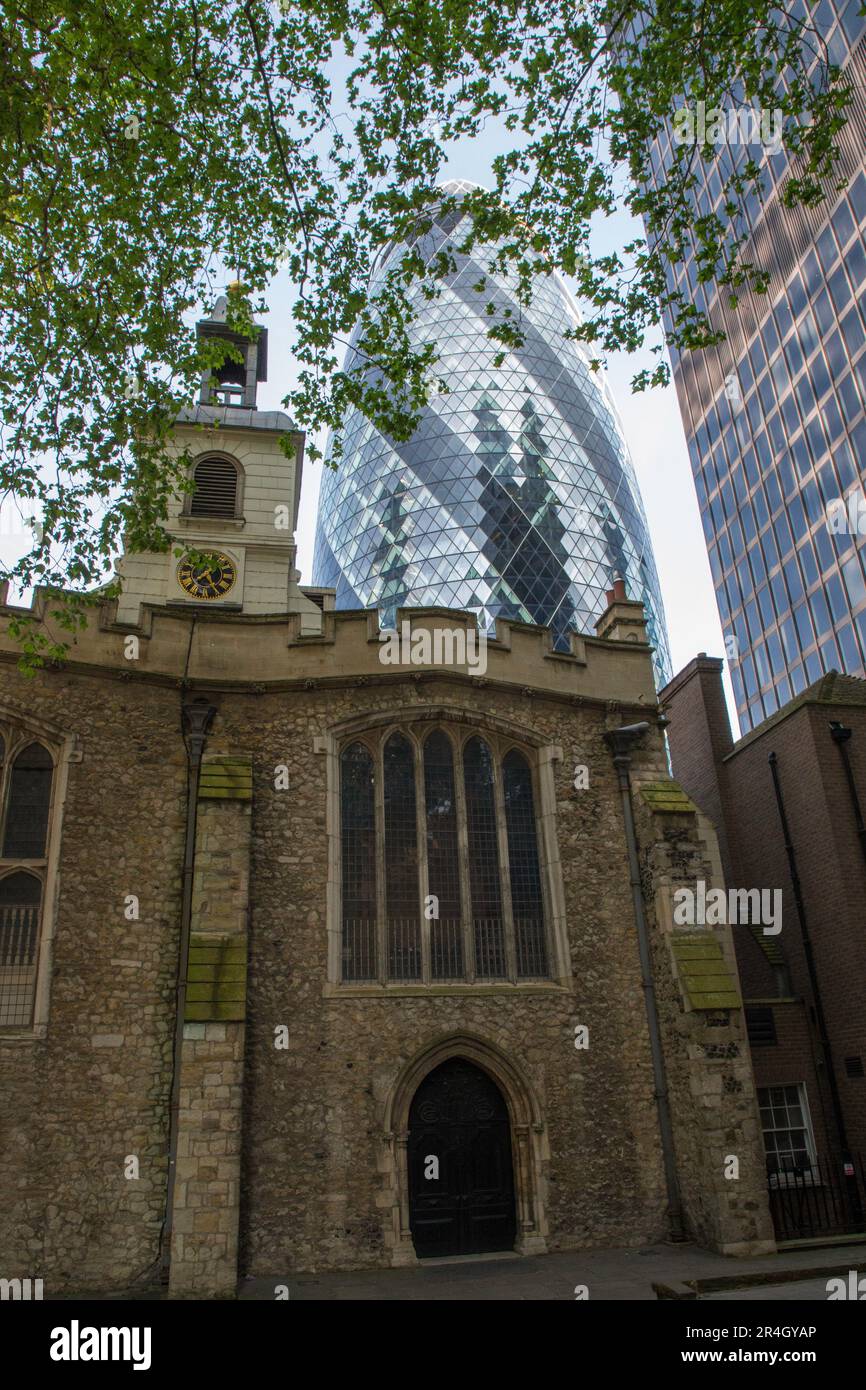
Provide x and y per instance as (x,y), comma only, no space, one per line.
(443,859)
(28,804)
(401,861)
(228,384)
(358,856)
(215,490)
(526,892)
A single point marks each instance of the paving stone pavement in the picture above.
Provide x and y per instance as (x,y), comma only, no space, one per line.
(623,1274)
(797,1291)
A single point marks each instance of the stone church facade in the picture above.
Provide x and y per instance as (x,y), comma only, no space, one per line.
(285,922)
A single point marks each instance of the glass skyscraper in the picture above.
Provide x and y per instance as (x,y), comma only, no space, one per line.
(774,416)
(516,496)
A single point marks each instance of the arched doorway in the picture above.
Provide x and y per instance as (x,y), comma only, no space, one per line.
(461,1180)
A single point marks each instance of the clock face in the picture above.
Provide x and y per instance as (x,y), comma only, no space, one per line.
(210,580)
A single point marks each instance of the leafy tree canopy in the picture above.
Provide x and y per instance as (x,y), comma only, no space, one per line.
(146,146)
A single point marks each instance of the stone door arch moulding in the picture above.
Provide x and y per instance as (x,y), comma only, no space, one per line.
(530,1150)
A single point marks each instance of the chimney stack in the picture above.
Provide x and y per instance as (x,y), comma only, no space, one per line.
(623,620)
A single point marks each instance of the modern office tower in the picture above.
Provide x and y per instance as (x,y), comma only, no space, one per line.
(774,417)
(515,498)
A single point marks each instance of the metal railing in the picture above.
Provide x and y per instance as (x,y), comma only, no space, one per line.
(404,957)
(446,949)
(821,1199)
(19,938)
(359,949)
(489,948)
(404,949)
(531,948)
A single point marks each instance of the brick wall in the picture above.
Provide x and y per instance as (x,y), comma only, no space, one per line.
(829,861)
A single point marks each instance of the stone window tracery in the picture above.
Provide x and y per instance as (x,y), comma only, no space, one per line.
(440,865)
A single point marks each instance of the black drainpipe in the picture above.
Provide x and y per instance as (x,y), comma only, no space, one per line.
(840,736)
(621,742)
(823,1036)
(196,721)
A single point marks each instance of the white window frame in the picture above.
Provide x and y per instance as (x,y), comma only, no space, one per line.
(808,1176)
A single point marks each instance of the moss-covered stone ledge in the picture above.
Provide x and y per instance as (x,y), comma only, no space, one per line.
(216,979)
(705,976)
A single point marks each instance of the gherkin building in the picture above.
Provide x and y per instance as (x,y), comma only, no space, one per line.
(515,498)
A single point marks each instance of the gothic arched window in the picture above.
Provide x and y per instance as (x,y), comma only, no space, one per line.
(441,873)
(484,879)
(401,860)
(28,803)
(26,778)
(529,933)
(20,897)
(358,854)
(443,859)
(216,486)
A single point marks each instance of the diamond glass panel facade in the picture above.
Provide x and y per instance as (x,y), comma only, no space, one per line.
(515,498)
(774,416)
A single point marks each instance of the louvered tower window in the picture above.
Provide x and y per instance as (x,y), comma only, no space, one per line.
(216,488)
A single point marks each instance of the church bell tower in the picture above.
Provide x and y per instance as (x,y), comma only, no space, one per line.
(243,508)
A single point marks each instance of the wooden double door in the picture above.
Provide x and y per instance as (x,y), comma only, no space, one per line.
(461,1182)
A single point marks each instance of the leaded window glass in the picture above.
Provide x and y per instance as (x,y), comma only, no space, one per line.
(441,872)
(20,896)
(526,896)
(483,860)
(401,861)
(443,861)
(358,845)
(29,803)
(26,776)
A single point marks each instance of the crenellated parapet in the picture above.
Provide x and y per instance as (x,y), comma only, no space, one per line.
(242,651)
